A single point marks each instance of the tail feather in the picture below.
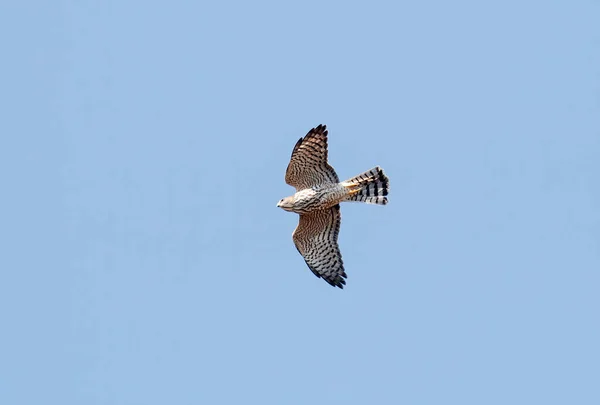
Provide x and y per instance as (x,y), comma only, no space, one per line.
(371,187)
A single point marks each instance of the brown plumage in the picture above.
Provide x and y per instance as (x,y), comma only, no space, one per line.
(318,195)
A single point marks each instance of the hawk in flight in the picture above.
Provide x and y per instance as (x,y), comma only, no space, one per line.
(317,200)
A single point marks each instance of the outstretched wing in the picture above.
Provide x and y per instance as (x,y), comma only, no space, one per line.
(308,166)
(316,239)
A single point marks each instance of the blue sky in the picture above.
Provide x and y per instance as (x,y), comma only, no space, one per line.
(145,144)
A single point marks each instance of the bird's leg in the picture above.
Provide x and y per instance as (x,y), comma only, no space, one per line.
(353,189)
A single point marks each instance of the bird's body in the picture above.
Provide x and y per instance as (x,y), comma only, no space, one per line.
(317,199)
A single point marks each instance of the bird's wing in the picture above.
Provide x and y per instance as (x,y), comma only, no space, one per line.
(316,239)
(308,166)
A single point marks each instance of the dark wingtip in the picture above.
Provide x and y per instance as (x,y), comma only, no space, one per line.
(320,129)
(339,281)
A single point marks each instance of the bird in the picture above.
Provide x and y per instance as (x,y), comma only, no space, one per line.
(319,193)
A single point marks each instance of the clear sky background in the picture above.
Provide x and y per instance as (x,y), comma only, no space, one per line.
(144,146)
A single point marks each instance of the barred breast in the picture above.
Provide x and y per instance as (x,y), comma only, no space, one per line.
(319,198)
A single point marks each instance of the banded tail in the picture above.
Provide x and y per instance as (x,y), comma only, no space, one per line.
(370,187)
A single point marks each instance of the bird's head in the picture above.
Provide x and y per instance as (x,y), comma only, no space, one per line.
(286,203)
